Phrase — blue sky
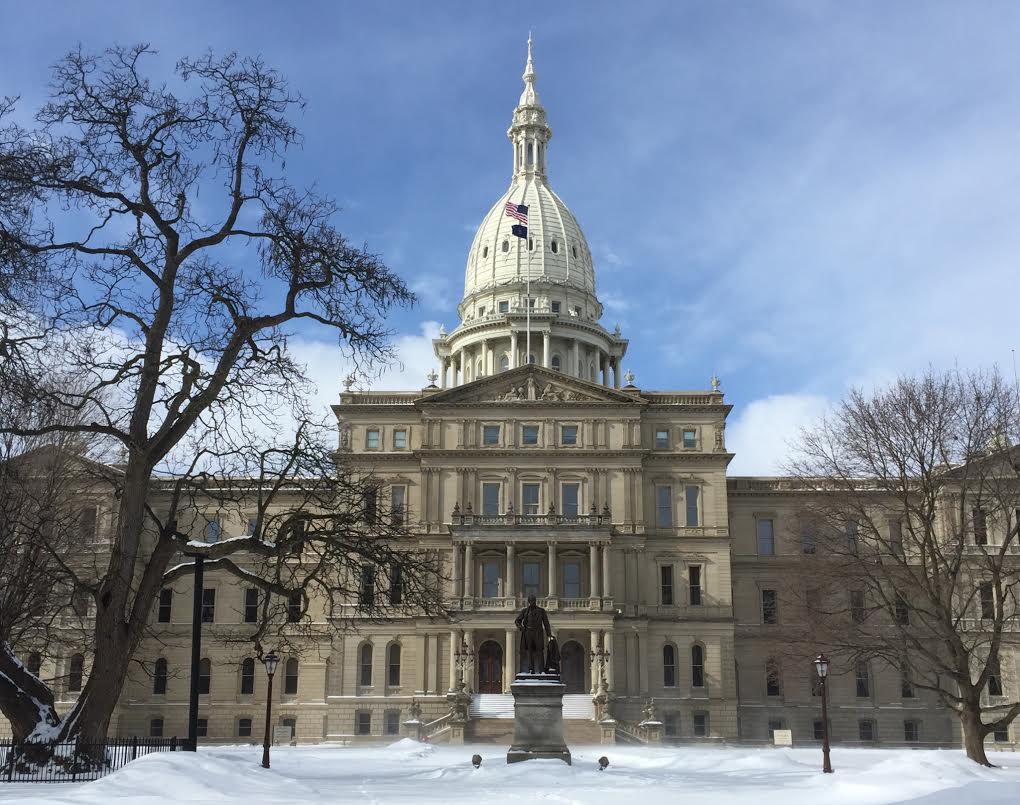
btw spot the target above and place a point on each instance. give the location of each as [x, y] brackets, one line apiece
[800, 196]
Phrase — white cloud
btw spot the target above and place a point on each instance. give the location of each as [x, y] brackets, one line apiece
[763, 430]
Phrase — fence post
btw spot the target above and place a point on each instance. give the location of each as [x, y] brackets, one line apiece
[10, 761]
[74, 761]
[173, 744]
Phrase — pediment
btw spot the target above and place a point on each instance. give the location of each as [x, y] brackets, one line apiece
[530, 384]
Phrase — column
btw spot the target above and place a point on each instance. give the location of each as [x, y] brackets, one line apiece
[469, 587]
[444, 367]
[593, 568]
[605, 572]
[469, 668]
[545, 349]
[607, 644]
[616, 373]
[642, 646]
[511, 572]
[463, 374]
[454, 643]
[604, 361]
[594, 644]
[485, 358]
[513, 349]
[510, 659]
[575, 369]
[421, 646]
[456, 595]
[552, 570]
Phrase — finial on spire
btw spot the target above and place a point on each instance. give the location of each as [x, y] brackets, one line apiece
[530, 96]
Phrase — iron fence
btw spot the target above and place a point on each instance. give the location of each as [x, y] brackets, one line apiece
[74, 761]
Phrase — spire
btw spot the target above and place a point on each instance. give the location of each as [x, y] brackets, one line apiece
[529, 131]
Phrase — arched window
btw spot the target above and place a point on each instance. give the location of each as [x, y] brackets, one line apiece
[554, 246]
[290, 677]
[393, 666]
[365, 658]
[75, 673]
[485, 251]
[556, 363]
[504, 363]
[248, 675]
[159, 677]
[698, 665]
[668, 666]
[34, 663]
[531, 359]
[591, 371]
[506, 246]
[478, 368]
[204, 675]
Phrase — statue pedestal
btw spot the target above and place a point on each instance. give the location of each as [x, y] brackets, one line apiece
[538, 718]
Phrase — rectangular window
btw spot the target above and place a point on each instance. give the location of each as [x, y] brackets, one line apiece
[694, 584]
[572, 579]
[398, 500]
[481, 311]
[366, 592]
[902, 611]
[857, 606]
[529, 498]
[866, 730]
[571, 494]
[202, 727]
[396, 585]
[896, 538]
[766, 533]
[212, 530]
[670, 724]
[294, 606]
[371, 505]
[690, 438]
[568, 434]
[244, 728]
[166, 602]
[88, 519]
[490, 499]
[155, 728]
[490, 434]
[863, 679]
[980, 527]
[769, 607]
[490, 579]
[392, 724]
[819, 729]
[701, 725]
[775, 724]
[691, 495]
[400, 439]
[1001, 735]
[504, 306]
[531, 572]
[773, 686]
[663, 506]
[808, 538]
[666, 585]
[906, 684]
[555, 307]
[852, 536]
[529, 434]
[661, 439]
[208, 605]
[250, 525]
[372, 439]
[251, 605]
[364, 723]
[987, 593]
[994, 679]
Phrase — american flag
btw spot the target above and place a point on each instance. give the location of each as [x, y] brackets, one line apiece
[518, 212]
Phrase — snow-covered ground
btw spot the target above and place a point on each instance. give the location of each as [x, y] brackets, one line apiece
[408, 772]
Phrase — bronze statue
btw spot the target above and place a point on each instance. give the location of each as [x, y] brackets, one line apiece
[533, 624]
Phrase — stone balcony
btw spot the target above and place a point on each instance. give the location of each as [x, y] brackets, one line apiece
[509, 526]
[518, 602]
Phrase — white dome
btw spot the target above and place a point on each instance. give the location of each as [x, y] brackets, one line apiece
[558, 253]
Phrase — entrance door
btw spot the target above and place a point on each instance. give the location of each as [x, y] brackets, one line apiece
[572, 666]
[490, 668]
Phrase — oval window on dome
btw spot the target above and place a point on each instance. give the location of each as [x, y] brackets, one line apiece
[506, 245]
[531, 244]
[555, 247]
[485, 251]
[574, 248]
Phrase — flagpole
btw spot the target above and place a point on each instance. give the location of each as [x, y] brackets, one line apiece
[527, 301]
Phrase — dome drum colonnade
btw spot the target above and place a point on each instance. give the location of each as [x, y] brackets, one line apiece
[550, 272]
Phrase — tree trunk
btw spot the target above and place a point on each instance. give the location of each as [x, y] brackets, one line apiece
[974, 733]
[25, 701]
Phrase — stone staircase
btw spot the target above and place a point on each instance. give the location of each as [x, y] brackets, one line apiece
[492, 719]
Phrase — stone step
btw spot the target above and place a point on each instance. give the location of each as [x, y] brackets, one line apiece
[501, 731]
[499, 705]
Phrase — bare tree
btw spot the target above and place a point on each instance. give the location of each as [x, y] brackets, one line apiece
[155, 253]
[911, 509]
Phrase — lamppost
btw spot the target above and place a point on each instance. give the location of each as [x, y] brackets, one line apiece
[463, 657]
[271, 661]
[822, 667]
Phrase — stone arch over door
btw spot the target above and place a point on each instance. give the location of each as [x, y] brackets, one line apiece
[490, 667]
[572, 666]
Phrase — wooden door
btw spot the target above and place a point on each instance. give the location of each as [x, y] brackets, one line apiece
[572, 667]
[490, 668]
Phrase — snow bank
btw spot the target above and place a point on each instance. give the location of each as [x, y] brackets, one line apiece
[407, 772]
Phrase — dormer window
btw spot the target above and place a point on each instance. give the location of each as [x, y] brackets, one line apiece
[555, 247]
[506, 246]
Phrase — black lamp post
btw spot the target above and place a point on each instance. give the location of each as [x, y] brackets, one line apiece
[822, 667]
[271, 661]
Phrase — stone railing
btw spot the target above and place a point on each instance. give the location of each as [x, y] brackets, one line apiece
[469, 518]
[683, 397]
[379, 397]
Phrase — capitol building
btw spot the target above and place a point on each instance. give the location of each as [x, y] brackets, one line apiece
[533, 464]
